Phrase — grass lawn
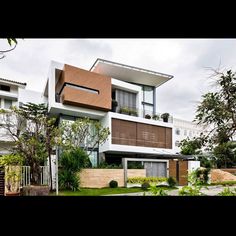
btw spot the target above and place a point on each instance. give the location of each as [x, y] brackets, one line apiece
[103, 191]
[99, 192]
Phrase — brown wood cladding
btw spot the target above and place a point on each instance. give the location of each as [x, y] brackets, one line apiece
[139, 134]
[172, 168]
[183, 172]
[87, 79]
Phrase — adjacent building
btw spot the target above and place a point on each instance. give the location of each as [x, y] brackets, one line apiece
[184, 129]
[13, 93]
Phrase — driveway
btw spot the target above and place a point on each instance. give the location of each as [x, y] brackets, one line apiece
[209, 191]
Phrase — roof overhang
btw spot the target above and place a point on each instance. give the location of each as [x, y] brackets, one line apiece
[130, 74]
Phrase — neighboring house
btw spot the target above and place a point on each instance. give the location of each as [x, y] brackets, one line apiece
[137, 130]
[9, 94]
[185, 129]
[13, 93]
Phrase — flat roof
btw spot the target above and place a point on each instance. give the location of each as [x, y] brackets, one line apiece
[130, 74]
[12, 81]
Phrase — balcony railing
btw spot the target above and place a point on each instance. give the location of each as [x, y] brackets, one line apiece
[144, 114]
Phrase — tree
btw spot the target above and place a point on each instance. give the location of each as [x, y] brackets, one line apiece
[83, 133]
[10, 42]
[218, 110]
[33, 135]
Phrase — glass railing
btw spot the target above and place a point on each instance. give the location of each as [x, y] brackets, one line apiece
[131, 111]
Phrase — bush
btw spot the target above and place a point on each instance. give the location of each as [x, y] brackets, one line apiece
[147, 116]
[113, 184]
[150, 179]
[70, 163]
[227, 192]
[145, 186]
[202, 174]
[171, 181]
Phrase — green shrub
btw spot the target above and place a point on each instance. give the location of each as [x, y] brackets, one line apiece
[157, 191]
[202, 174]
[135, 165]
[227, 192]
[190, 191]
[225, 183]
[70, 163]
[145, 186]
[150, 179]
[105, 165]
[113, 184]
[171, 181]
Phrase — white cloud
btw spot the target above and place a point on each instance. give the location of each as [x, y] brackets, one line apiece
[185, 59]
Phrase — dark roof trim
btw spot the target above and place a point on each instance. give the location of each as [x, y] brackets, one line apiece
[132, 67]
[12, 81]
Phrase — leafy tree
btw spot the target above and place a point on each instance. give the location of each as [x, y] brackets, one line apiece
[32, 133]
[193, 146]
[84, 133]
[217, 110]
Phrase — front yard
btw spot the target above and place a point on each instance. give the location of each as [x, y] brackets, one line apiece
[99, 192]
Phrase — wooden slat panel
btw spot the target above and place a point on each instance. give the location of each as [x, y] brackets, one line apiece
[139, 134]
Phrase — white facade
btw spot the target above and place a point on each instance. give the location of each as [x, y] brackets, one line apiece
[13, 93]
[185, 129]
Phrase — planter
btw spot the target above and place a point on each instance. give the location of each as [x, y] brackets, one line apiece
[165, 119]
[13, 194]
[36, 190]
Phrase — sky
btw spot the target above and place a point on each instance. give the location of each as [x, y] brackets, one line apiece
[188, 60]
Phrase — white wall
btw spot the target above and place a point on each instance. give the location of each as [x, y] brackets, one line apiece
[193, 165]
[26, 95]
[106, 121]
[192, 130]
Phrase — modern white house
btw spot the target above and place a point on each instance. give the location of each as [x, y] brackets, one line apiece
[123, 98]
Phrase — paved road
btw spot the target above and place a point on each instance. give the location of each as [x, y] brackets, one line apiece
[209, 191]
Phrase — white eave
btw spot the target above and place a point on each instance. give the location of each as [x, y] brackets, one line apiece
[130, 74]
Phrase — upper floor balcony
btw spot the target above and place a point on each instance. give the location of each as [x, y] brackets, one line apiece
[147, 114]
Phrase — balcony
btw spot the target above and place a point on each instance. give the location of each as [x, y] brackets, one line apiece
[132, 111]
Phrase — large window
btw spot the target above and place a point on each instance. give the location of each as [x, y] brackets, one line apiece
[125, 99]
[5, 88]
[148, 100]
[148, 94]
[7, 103]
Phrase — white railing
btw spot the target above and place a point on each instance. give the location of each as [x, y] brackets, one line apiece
[25, 176]
[44, 175]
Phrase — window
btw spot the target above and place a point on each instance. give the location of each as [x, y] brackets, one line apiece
[177, 131]
[125, 99]
[148, 94]
[177, 143]
[5, 88]
[7, 103]
[93, 157]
